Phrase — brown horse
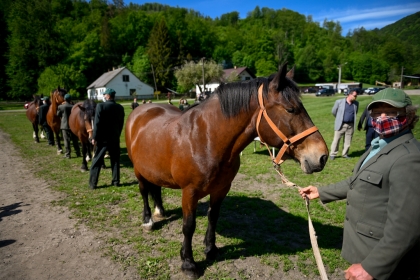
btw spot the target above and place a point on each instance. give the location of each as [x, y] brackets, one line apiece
[81, 124]
[32, 115]
[199, 149]
[54, 121]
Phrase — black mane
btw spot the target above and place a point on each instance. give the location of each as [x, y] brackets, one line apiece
[236, 97]
[89, 112]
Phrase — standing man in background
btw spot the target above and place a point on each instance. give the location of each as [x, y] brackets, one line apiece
[344, 111]
[63, 111]
[107, 128]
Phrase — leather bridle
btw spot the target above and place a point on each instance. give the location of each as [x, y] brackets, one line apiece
[287, 142]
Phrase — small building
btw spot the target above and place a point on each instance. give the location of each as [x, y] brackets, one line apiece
[124, 82]
[243, 73]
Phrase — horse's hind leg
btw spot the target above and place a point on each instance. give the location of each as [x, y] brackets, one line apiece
[213, 212]
[144, 187]
[189, 208]
[156, 193]
[57, 138]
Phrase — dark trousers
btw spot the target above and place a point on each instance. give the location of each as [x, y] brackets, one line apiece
[68, 137]
[370, 135]
[98, 161]
[49, 133]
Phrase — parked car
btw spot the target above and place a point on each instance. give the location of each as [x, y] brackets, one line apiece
[375, 90]
[310, 90]
[325, 92]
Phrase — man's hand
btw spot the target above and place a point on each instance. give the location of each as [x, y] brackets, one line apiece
[311, 192]
[357, 272]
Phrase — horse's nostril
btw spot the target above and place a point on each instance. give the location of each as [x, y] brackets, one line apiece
[323, 160]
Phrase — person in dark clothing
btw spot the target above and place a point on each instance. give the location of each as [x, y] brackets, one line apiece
[365, 122]
[63, 111]
[43, 111]
[134, 105]
[107, 128]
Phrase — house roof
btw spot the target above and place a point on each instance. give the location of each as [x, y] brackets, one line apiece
[238, 70]
[103, 80]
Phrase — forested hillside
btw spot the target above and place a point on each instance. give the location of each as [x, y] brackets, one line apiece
[45, 43]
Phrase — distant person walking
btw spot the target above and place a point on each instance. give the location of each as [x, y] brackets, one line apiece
[63, 111]
[344, 111]
[107, 128]
[134, 105]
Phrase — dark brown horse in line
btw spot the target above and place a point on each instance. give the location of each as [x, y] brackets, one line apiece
[32, 115]
[54, 121]
[199, 149]
[81, 124]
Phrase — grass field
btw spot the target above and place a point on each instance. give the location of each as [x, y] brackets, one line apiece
[267, 224]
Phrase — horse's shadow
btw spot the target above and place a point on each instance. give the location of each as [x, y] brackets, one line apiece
[262, 228]
[10, 210]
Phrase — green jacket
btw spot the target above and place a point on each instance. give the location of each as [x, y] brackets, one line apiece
[109, 122]
[382, 224]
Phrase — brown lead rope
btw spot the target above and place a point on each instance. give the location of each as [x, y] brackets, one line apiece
[312, 233]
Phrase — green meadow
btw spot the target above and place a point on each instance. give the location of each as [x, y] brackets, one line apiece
[262, 221]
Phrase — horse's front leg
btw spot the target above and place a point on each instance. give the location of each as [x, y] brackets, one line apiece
[35, 127]
[213, 213]
[189, 208]
[84, 168]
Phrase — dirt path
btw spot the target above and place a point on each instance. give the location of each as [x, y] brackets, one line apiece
[38, 241]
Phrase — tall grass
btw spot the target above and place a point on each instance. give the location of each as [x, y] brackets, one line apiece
[262, 221]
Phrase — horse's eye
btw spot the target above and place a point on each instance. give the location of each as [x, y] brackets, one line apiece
[290, 110]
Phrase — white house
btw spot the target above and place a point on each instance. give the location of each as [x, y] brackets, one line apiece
[123, 81]
[242, 72]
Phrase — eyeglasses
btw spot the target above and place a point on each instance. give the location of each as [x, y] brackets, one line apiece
[391, 114]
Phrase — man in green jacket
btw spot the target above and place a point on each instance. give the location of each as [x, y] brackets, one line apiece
[107, 128]
[64, 111]
[382, 224]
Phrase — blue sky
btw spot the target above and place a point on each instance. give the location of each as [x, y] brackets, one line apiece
[351, 14]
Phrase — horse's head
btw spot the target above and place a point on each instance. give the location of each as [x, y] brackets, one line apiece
[283, 122]
[87, 113]
[58, 95]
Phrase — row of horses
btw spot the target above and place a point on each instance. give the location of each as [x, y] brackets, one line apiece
[199, 148]
[80, 121]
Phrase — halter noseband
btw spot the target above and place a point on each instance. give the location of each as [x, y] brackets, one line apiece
[286, 141]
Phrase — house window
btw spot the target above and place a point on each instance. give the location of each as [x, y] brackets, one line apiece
[247, 78]
[126, 78]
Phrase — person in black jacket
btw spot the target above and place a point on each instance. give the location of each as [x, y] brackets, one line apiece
[365, 122]
[63, 111]
[107, 128]
[134, 105]
[43, 111]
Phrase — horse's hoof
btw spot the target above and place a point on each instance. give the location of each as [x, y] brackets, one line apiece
[158, 217]
[148, 227]
[83, 169]
[190, 270]
[59, 152]
[211, 254]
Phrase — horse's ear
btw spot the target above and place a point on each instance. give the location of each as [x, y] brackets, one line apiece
[291, 73]
[280, 77]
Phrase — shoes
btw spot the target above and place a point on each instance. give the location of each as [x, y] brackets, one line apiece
[346, 156]
[115, 184]
[92, 187]
[332, 157]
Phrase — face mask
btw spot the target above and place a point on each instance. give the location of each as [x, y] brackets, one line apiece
[387, 127]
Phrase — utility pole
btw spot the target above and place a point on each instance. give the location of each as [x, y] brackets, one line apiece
[401, 82]
[204, 83]
[339, 77]
[154, 79]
